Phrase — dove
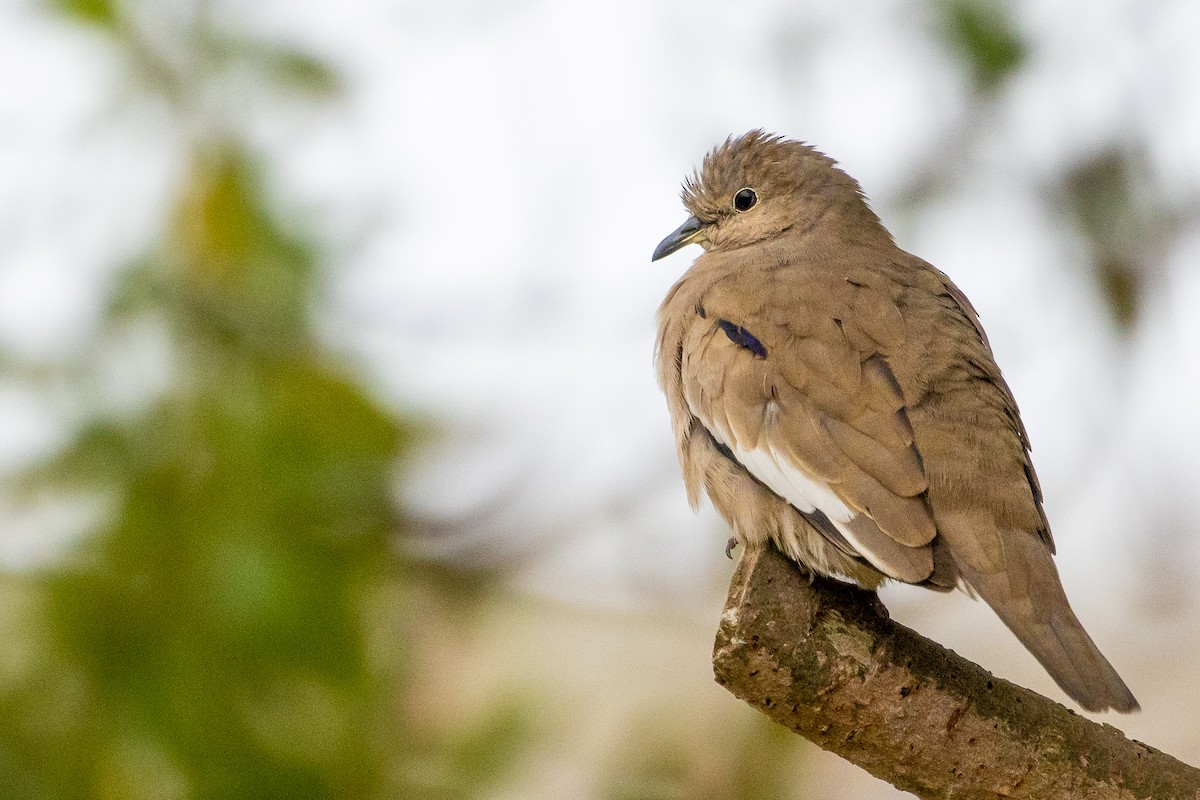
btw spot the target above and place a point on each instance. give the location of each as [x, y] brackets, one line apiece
[837, 397]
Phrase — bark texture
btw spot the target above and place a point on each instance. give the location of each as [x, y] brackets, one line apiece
[824, 659]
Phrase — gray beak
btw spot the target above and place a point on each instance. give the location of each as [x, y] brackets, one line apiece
[684, 235]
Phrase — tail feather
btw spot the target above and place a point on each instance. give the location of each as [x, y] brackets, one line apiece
[1028, 597]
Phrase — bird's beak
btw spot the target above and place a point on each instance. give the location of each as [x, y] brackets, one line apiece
[685, 234]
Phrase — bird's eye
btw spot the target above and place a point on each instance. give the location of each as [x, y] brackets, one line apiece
[745, 199]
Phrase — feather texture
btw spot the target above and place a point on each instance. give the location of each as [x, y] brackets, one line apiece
[837, 396]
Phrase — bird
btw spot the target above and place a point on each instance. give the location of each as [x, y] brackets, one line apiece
[836, 396]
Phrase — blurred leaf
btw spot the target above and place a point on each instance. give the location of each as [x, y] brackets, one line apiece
[1098, 189]
[238, 272]
[1125, 234]
[467, 761]
[983, 34]
[101, 13]
[282, 67]
[294, 70]
[658, 763]
[485, 751]
[301, 71]
[1120, 284]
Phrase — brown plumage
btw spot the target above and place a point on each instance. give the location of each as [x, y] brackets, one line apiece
[837, 395]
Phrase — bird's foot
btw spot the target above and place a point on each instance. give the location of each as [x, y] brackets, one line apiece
[729, 545]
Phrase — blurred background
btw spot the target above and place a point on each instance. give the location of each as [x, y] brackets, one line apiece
[331, 459]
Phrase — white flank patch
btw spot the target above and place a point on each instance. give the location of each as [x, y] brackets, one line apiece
[806, 493]
[793, 484]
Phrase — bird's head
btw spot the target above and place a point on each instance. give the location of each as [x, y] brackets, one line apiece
[759, 186]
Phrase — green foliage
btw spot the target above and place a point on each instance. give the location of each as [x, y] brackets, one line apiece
[231, 280]
[213, 633]
[1121, 285]
[983, 35]
[100, 13]
[666, 765]
[1126, 227]
[285, 67]
[1100, 198]
[211, 627]
[468, 760]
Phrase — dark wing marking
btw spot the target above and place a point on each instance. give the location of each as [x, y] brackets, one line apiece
[742, 338]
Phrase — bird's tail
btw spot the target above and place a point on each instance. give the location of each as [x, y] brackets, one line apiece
[1028, 596]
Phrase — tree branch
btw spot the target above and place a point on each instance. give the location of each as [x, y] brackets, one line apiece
[823, 659]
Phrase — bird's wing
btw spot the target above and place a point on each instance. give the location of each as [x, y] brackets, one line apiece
[986, 369]
[803, 398]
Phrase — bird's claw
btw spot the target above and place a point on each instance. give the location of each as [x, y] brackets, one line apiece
[729, 545]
